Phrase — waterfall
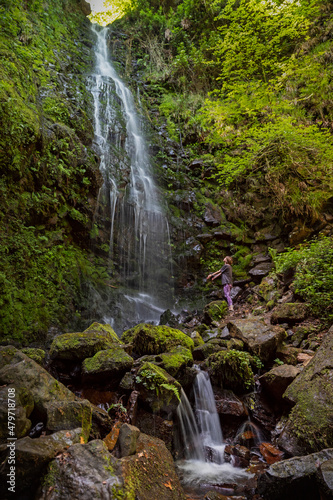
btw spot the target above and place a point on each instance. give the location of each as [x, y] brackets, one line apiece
[129, 208]
[202, 441]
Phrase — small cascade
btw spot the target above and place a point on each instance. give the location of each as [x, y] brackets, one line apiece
[129, 207]
[208, 419]
[202, 442]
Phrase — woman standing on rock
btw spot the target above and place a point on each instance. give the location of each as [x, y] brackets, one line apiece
[226, 273]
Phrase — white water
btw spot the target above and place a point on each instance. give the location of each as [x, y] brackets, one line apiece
[139, 248]
[202, 438]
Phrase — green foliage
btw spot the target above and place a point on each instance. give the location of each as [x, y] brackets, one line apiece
[232, 369]
[313, 280]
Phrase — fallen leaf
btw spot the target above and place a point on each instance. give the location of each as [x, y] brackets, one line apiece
[168, 485]
[81, 440]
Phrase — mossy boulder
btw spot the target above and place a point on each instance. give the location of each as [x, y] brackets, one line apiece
[159, 391]
[291, 313]
[215, 311]
[78, 346]
[231, 369]
[37, 355]
[107, 367]
[24, 405]
[150, 339]
[176, 360]
[20, 371]
[63, 415]
[309, 427]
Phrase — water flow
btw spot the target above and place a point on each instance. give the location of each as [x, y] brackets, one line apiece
[202, 440]
[138, 229]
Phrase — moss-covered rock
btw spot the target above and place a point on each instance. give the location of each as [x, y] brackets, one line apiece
[309, 427]
[290, 313]
[37, 355]
[78, 346]
[150, 339]
[158, 389]
[62, 415]
[107, 366]
[231, 370]
[21, 402]
[215, 311]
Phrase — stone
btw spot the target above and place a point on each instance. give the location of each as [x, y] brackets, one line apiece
[107, 366]
[290, 313]
[32, 457]
[78, 346]
[215, 311]
[150, 474]
[276, 381]
[37, 355]
[85, 471]
[309, 426]
[24, 405]
[325, 478]
[212, 216]
[112, 438]
[288, 354]
[150, 339]
[270, 453]
[259, 338]
[128, 437]
[63, 415]
[227, 403]
[176, 360]
[260, 271]
[293, 478]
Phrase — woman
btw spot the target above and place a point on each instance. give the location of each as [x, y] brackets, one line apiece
[226, 273]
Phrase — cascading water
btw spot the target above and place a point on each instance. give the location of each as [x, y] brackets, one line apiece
[129, 208]
[202, 441]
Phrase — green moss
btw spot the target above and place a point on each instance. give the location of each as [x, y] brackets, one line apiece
[106, 360]
[149, 339]
[78, 346]
[176, 359]
[231, 369]
[37, 355]
[157, 380]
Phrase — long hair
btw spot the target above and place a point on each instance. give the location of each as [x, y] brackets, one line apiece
[228, 260]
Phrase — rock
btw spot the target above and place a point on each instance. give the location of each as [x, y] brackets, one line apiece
[169, 319]
[37, 355]
[276, 381]
[260, 271]
[270, 453]
[128, 437]
[22, 372]
[304, 358]
[63, 415]
[85, 471]
[85, 7]
[309, 426]
[212, 216]
[290, 313]
[23, 405]
[325, 478]
[227, 403]
[176, 360]
[259, 338]
[204, 351]
[158, 390]
[32, 457]
[156, 426]
[112, 438]
[215, 311]
[293, 478]
[150, 339]
[231, 370]
[107, 367]
[288, 354]
[300, 334]
[151, 474]
[78, 346]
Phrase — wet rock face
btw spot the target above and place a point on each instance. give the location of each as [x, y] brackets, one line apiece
[296, 477]
[310, 426]
[276, 381]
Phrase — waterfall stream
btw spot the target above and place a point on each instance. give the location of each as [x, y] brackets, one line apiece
[129, 207]
[202, 440]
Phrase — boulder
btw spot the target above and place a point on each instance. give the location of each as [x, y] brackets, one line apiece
[22, 372]
[228, 404]
[23, 403]
[78, 346]
[108, 366]
[276, 381]
[151, 474]
[260, 271]
[259, 338]
[231, 370]
[150, 339]
[63, 415]
[294, 478]
[158, 390]
[325, 478]
[128, 436]
[309, 427]
[37, 355]
[32, 457]
[290, 313]
[176, 360]
[85, 471]
[215, 311]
